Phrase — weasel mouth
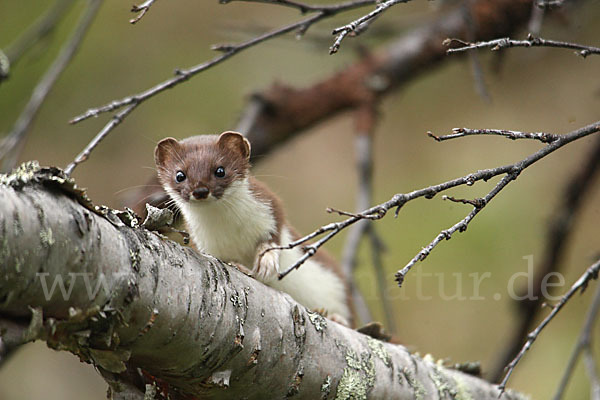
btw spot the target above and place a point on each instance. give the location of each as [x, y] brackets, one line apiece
[200, 193]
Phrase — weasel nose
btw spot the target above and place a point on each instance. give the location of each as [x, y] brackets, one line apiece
[200, 193]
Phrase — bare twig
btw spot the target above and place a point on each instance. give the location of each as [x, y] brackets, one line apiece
[561, 226]
[345, 30]
[584, 342]
[348, 263]
[475, 203]
[363, 142]
[514, 135]
[10, 145]
[182, 75]
[546, 4]
[460, 226]
[510, 171]
[142, 9]
[365, 119]
[592, 371]
[228, 50]
[377, 248]
[531, 41]
[85, 153]
[356, 215]
[37, 31]
[579, 285]
[475, 62]
[307, 8]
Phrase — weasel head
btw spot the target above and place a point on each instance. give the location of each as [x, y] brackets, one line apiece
[201, 168]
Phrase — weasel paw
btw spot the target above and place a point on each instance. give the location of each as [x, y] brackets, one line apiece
[266, 266]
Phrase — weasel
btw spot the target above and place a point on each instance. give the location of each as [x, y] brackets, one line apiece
[234, 217]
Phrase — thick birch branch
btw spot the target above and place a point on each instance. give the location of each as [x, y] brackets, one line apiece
[133, 300]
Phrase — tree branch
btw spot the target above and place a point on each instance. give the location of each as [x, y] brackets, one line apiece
[182, 75]
[125, 299]
[584, 343]
[12, 143]
[37, 31]
[559, 230]
[531, 41]
[359, 23]
[365, 122]
[141, 9]
[513, 135]
[580, 285]
[510, 173]
[307, 8]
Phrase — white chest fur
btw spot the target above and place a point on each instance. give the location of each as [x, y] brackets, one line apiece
[231, 227]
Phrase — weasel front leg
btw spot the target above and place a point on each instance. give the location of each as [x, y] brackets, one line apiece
[266, 265]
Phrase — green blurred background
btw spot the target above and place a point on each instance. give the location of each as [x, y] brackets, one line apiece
[536, 90]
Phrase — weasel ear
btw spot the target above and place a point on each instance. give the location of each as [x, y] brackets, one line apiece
[166, 149]
[235, 142]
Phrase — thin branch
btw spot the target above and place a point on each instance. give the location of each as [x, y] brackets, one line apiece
[559, 230]
[377, 248]
[475, 62]
[592, 371]
[85, 153]
[15, 139]
[348, 263]
[513, 135]
[142, 9]
[579, 285]
[365, 120]
[363, 146]
[548, 4]
[531, 41]
[583, 342]
[475, 203]
[510, 171]
[182, 75]
[460, 226]
[352, 27]
[350, 214]
[37, 31]
[228, 50]
[307, 8]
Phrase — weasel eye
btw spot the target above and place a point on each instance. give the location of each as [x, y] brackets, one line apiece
[180, 176]
[220, 172]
